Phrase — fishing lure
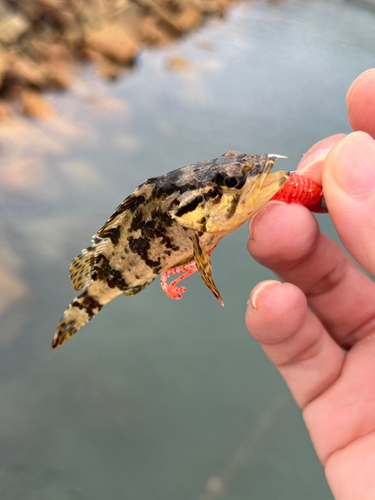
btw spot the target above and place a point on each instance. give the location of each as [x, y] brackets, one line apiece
[170, 225]
[301, 190]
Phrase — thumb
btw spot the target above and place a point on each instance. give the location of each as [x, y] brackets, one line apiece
[349, 189]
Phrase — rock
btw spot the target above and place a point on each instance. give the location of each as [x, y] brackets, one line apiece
[40, 41]
[113, 42]
[4, 63]
[152, 34]
[23, 71]
[107, 69]
[189, 19]
[5, 111]
[178, 64]
[59, 75]
[34, 105]
[166, 18]
[12, 25]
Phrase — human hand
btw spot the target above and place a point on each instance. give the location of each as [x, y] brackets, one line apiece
[335, 389]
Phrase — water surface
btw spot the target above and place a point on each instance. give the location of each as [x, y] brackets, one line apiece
[154, 397]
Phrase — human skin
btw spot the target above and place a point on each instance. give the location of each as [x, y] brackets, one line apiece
[327, 354]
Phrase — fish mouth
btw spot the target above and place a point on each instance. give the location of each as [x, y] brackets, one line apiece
[267, 184]
[268, 181]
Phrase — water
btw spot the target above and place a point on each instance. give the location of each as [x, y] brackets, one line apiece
[153, 398]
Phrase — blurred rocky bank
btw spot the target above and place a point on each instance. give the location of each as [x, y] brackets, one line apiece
[41, 41]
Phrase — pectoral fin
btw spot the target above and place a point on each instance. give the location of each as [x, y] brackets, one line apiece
[203, 262]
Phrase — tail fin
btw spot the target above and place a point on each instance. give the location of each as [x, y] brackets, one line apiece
[80, 311]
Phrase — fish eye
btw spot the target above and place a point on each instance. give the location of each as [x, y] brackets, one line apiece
[231, 182]
[232, 179]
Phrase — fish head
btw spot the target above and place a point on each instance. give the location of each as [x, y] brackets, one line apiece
[229, 190]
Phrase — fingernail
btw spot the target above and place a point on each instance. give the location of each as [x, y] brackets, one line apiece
[312, 161]
[258, 214]
[254, 294]
[357, 82]
[354, 164]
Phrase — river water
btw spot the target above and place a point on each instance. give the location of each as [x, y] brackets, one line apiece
[158, 399]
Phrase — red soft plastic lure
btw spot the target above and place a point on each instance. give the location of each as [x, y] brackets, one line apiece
[298, 189]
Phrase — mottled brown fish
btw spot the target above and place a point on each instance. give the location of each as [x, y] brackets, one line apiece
[168, 221]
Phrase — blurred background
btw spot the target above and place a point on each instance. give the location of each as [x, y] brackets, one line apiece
[154, 399]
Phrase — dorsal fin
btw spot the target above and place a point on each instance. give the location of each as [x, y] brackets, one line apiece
[131, 203]
[82, 266]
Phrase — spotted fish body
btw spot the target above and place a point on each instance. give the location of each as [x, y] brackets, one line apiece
[168, 221]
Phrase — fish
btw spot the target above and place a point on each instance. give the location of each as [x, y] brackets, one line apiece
[169, 222]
